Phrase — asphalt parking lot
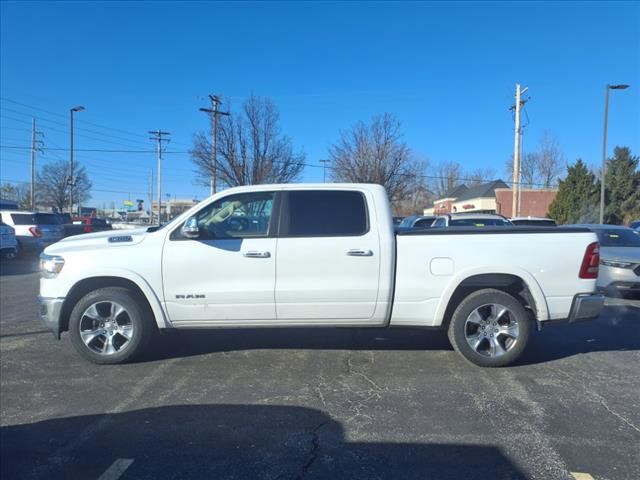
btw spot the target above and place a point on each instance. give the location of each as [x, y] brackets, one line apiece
[291, 404]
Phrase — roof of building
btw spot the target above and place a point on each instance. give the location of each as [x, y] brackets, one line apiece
[483, 190]
[455, 191]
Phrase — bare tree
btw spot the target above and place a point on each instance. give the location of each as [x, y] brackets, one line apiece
[549, 160]
[479, 175]
[53, 188]
[542, 166]
[251, 148]
[18, 192]
[444, 177]
[375, 153]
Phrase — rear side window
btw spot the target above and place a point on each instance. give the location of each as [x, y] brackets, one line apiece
[23, 219]
[46, 219]
[326, 213]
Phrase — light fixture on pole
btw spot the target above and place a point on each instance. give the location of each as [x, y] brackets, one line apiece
[603, 169]
[72, 181]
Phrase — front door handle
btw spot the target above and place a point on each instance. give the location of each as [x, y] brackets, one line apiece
[254, 254]
[359, 252]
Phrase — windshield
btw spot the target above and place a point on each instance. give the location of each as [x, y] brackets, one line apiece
[618, 238]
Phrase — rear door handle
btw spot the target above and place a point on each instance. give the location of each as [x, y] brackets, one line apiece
[359, 252]
[254, 254]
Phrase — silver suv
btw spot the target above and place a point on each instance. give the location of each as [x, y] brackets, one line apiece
[34, 231]
[619, 274]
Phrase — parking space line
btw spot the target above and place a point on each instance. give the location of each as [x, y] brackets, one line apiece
[581, 476]
[116, 469]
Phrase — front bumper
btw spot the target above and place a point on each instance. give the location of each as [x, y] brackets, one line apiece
[50, 309]
[586, 306]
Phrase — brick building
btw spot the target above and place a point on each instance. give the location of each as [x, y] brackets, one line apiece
[533, 202]
[492, 197]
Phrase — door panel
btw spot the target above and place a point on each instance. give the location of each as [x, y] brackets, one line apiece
[223, 282]
[317, 279]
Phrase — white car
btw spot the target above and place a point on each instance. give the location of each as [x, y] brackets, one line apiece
[34, 230]
[475, 220]
[315, 255]
[8, 243]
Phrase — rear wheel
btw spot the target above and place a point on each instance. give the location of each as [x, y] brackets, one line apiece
[490, 328]
[110, 325]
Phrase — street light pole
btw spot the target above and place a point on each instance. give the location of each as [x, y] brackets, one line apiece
[72, 181]
[603, 170]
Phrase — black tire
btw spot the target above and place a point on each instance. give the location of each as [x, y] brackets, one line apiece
[136, 314]
[480, 299]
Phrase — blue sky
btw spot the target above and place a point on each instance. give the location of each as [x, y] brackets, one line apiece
[447, 70]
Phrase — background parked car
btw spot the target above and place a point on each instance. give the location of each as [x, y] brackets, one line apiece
[92, 224]
[417, 221]
[619, 274]
[534, 222]
[471, 220]
[8, 242]
[34, 231]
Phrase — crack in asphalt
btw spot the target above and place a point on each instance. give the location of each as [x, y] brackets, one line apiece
[315, 447]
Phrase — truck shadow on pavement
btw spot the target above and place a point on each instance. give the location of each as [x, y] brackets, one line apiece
[617, 329]
[20, 266]
[230, 441]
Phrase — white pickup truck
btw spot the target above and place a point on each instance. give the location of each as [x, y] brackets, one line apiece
[315, 255]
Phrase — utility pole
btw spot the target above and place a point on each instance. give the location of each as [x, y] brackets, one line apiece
[516, 149]
[72, 180]
[157, 136]
[214, 112]
[35, 146]
[151, 196]
[324, 169]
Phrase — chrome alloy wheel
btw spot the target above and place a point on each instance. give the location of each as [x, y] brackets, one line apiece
[106, 328]
[491, 330]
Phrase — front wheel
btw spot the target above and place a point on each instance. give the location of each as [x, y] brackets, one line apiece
[110, 325]
[490, 328]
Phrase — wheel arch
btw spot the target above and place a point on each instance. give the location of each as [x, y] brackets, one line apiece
[91, 283]
[519, 284]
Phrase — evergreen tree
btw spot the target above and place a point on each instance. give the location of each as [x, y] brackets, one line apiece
[622, 183]
[577, 198]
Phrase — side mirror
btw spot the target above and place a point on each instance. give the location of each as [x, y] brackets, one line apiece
[190, 228]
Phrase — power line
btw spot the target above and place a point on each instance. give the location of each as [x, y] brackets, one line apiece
[57, 114]
[64, 116]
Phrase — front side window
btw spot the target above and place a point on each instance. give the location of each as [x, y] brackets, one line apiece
[244, 215]
[326, 213]
[424, 223]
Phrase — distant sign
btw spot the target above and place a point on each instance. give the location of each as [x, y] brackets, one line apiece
[128, 203]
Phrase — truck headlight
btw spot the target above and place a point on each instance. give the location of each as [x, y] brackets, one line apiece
[616, 263]
[50, 265]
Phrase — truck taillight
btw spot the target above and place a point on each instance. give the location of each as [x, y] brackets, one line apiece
[590, 261]
[35, 231]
